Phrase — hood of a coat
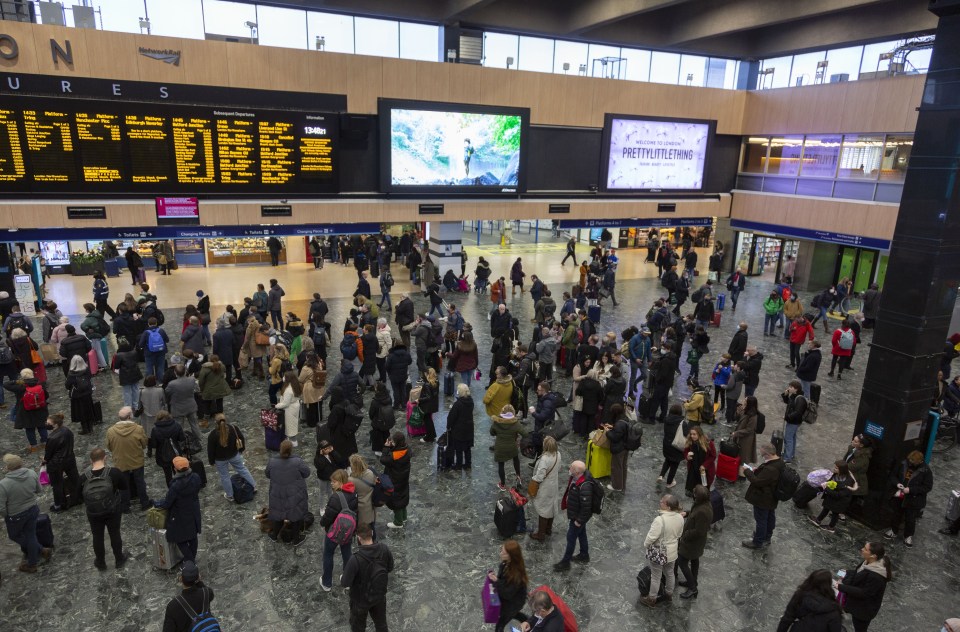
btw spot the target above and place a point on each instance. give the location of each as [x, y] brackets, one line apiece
[125, 428]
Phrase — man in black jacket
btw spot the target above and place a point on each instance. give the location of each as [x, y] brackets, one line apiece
[735, 284]
[752, 363]
[366, 575]
[195, 598]
[809, 366]
[545, 617]
[73, 345]
[404, 315]
[274, 246]
[102, 488]
[738, 345]
[363, 286]
[500, 321]
[578, 502]
[762, 495]
[662, 372]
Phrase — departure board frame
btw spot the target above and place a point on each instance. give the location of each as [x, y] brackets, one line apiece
[60, 147]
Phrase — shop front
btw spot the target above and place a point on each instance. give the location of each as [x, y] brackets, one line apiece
[637, 232]
[766, 256]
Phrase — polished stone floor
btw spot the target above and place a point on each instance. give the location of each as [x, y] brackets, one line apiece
[450, 541]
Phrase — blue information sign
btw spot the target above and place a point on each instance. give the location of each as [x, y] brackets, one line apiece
[187, 232]
[814, 235]
[873, 430]
[636, 222]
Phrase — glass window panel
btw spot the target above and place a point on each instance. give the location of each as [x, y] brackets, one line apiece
[335, 31]
[750, 183]
[780, 185]
[785, 154]
[638, 64]
[115, 15]
[282, 27]
[819, 188]
[497, 48]
[228, 18]
[176, 18]
[918, 61]
[420, 41]
[779, 73]
[693, 70]
[754, 155]
[804, 72]
[854, 190]
[664, 67]
[603, 62]
[820, 155]
[730, 75]
[572, 53]
[872, 63]
[889, 192]
[896, 157]
[844, 61]
[380, 38]
[860, 157]
[536, 54]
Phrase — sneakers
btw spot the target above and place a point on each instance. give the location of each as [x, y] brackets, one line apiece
[394, 526]
[829, 529]
[230, 498]
[501, 487]
[612, 488]
[659, 479]
[650, 602]
[813, 520]
[750, 544]
[889, 535]
[669, 485]
[908, 542]
[378, 454]
[325, 588]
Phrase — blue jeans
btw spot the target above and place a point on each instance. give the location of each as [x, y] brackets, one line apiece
[575, 533]
[790, 441]
[134, 479]
[131, 395]
[766, 520]
[385, 298]
[22, 529]
[223, 468]
[703, 323]
[806, 388]
[769, 323]
[750, 390]
[156, 363]
[329, 548]
[466, 377]
[734, 296]
[438, 308]
[32, 436]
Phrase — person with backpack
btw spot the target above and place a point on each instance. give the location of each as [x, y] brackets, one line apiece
[746, 431]
[190, 610]
[843, 342]
[97, 330]
[153, 342]
[30, 413]
[102, 487]
[617, 430]
[182, 502]
[126, 443]
[166, 442]
[366, 575]
[792, 417]
[16, 319]
[396, 459]
[582, 499]
[762, 494]
[339, 520]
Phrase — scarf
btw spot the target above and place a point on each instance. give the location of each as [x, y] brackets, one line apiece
[876, 567]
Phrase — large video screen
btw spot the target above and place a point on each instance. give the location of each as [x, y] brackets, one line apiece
[654, 154]
[438, 147]
[90, 147]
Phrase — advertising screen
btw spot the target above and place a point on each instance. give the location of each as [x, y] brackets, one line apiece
[178, 211]
[55, 253]
[80, 146]
[650, 154]
[436, 147]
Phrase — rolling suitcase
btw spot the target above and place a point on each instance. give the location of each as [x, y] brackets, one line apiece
[141, 275]
[506, 516]
[44, 531]
[593, 313]
[728, 467]
[715, 321]
[729, 448]
[953, 506]
[448, 384]
[166, 555]
[598, 460]
[721, 301]
[814, 392]
[92, 359]
[272, 438]
[444, 452]
[777, 440]
[719, 512]
[643, 583]
[804, 495]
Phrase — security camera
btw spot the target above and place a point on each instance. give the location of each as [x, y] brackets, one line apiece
[283, 201]
[250, 25]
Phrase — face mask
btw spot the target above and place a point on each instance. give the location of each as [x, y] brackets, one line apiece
[49, 427]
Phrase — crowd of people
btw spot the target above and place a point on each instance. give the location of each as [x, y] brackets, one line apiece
[174, 391]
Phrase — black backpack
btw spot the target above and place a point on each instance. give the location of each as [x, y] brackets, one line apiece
[761, 423]
[102, 327]
[99, 495]
[373, 587]
[168, 450]
[787, 484]
[596, 498]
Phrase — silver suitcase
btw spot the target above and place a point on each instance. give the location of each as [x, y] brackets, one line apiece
[166, 555]
[953, 506]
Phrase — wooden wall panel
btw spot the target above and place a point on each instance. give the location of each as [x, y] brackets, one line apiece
[399, 79]
[109, 54]
[327, 72]
[78, 43]
[364, 83]
[464, 83]
[868, 219]
[433, 80]
[250, 67]
[26, 62]
[205, 63]
[220, 214]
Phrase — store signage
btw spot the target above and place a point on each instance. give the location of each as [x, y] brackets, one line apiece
[189, 232]
[873, 430]
[814, 235]
[636, 222]
[166, 55]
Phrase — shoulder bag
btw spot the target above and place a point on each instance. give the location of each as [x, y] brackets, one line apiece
[533, 487]
[657, 553]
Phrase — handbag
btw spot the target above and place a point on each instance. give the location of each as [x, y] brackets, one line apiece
[679, 439]
[491, 602]
[533, 487]
[44, 476]
[261, 339]
[239, 440]
[35, 356]
[656, 553]
[244, 359]
[599, 438]
[157, 518]
[578, 403]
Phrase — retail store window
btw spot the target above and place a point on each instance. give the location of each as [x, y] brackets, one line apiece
[785, 153]
[286, 28]
[380, 38]
[860, 156]
[755, 154]
[334, 31]
[176, 18]
[500, 49]
[420, 41]
[573, 54]
[535, 54]
[229, 18]
[896, 157]
[820, 156]
[638, 64]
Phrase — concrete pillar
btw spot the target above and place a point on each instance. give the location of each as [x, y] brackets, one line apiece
[726, 235]
[445, 246]
[296, 249]
[801, 274]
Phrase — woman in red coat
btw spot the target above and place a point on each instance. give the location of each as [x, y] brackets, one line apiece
[843, 342]
[700, 453]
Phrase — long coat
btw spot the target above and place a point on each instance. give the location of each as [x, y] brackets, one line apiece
[396, 464]
[505, 444]
[693, 539]
[288, 488]
[498, 395]
[183, 507]
[859, 463]
[364, 485]
[547, 473]
[746, 437]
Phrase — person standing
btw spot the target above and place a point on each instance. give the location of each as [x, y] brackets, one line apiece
[700, 454]
[510, 582]
[762, 495]
[914, 480]
[460, 428]
[61, 463]
[752, 363]
[342, 499]
[19, 501]
[772, 308]
[617, 432]
[864, 586]
[288, 506]
[672, 455]
[102, 488]
[134, 264]
[745, 434]
[225, 446]
[871, 306]
[316, 253]
[182, 503]
[182, 404]
[792, 417]
[663, 371]
[274, 245]
[290, 403]
[809, 366]
[275, 303]
[506, 430]
[813, 606]
[578, 503]
[843, 342]
[366, 575]
[364, 480]
[30, 413]
[546, 473]
[101, 294]
[516, 276]
[693, 539]
[396, 464]
[126, 442]
[664, 533]
[153, 343]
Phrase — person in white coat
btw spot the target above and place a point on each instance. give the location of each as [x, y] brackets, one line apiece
[289, 403]
[385, 338]
[665, 534]
[546, 473]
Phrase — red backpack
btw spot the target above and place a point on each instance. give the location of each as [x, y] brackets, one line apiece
[34, 398]
[569, 621]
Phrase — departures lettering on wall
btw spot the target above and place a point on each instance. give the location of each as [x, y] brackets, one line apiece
[77, 146]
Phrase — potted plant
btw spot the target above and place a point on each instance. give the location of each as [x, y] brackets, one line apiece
[84, 263]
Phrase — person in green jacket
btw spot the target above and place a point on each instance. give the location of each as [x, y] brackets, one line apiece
[505, 429]
[569, 343]
[772, 307]
[213, 388]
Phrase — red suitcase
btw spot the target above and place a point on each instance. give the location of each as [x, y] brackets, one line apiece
[728, 467]
[716, 319]
[92, 358]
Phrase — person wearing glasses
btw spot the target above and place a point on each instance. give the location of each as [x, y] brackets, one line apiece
[545, 618]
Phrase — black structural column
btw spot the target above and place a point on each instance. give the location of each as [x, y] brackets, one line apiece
[922, 277]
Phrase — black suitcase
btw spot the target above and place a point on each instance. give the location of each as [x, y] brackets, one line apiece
[448, 384]
[444, 452]
[777, 440]
[506, 516]
[719, 512]
[593, 313]
[643, 583]
[804, 495]
[643, 406]
[44, 531]
[729, 448]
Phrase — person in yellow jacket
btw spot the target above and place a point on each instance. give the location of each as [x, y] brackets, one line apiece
[499, 393]
[694, 406]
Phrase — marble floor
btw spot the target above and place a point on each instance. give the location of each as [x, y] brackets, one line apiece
[450, 541]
